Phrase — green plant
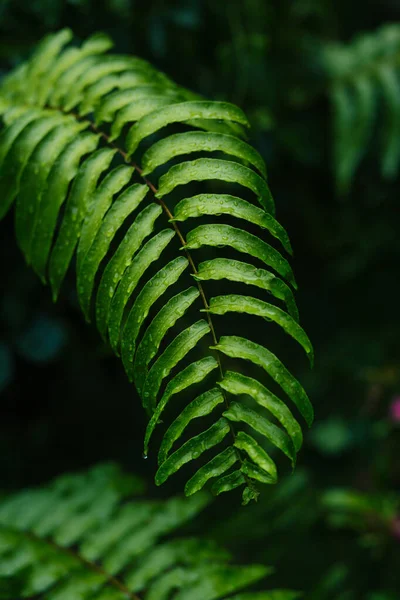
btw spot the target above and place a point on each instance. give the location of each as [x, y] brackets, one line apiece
[365, 86]
[69, 140]
[92, 535]
[373, 516]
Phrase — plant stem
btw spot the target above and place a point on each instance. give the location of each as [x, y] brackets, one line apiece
[110, 579]
[182, 240]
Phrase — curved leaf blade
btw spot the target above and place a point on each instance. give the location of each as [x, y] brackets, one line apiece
[229, 482]
[76, 208]
[205, 169]
[122, 207]
[179, 113]
[62, 173]
[240, 413]
[99, 204]
[214, 468]
[112, 103]
[140, 229]
[34, 181]
[257, 454]
[19, 149]
[242, 241]
[172, 355]
[237, 384]
[166, 318]
[192, 449]
[190, 375]
[225, 204]
[234, 270]
[220, 305]
[199, 141]
[152, 290]
[238, 347]
[136, 111]
[201, 406]
[149, 253]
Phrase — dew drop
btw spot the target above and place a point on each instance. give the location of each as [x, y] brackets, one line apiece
[144, 456]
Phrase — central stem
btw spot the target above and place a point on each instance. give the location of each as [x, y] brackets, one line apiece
[182, 240]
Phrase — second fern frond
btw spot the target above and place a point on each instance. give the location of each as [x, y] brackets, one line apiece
[93, 535]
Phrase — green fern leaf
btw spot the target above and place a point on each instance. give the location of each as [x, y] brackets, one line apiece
[234, 270]
[204, 169]
[238, 347]
[193, 141]
[93, 535]
[223, 204]
[93, 152]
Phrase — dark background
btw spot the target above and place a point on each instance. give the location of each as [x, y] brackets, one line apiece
[65, 402]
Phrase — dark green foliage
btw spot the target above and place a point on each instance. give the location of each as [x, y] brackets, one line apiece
[75, 407]
[365, 90]
[59, 164]
[94, 536]
[372, 515]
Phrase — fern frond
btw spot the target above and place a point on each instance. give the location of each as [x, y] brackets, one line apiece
[364, 84]
[77, 124]
[93, 535]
